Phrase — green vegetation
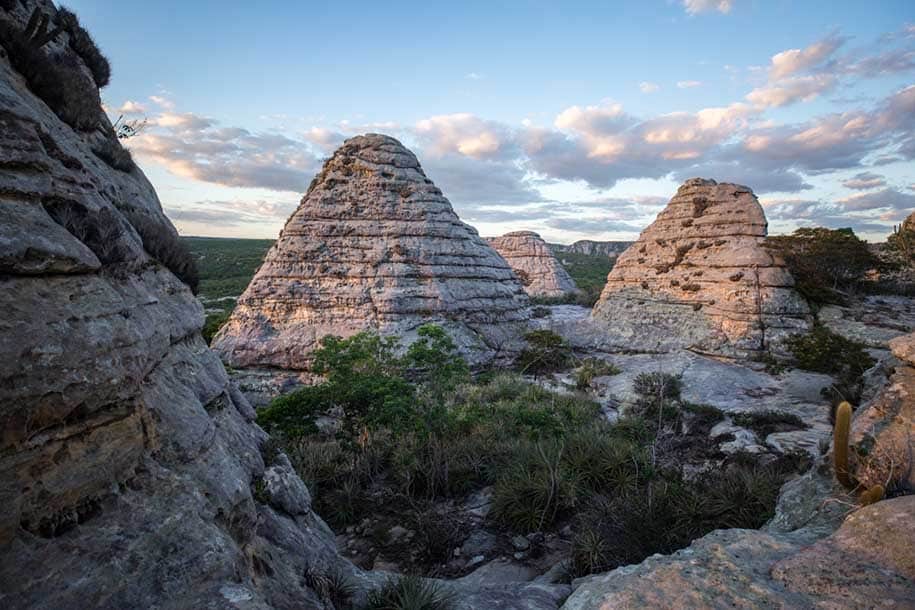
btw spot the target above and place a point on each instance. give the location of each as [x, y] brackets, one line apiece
[226, 265]
[589, 272]
[401, 430]
[410, 593]
[824, 351]
[590, 369]
[57, 78]
[768, 422]
[546, 352]
[827, 264]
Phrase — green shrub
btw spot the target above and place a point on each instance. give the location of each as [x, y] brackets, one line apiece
[825, 263]
[410, 593]
[768, 422]
[332, 586]
[546, 353]
[592, 368]
[657, 386]
[669, 513]
[824, 351]
[532, 492]
[433, 360]
[212, 324]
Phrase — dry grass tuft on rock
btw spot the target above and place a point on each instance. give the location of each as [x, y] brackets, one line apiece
[164, 245]
[58, 79]
[84, 46]
[114, 154]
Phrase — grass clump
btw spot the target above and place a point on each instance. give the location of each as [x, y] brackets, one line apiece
[410, 593]
[57, 78]
[768, 422]
[84, 46]
[590, 369]
[212, 324]
[164, 245]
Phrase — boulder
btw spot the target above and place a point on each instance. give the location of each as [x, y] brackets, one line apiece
[699, 277]
[128, 461]
[373, 245]
[533, 262]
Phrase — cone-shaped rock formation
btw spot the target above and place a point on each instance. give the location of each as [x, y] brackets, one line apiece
[700, 277]
[533, 262]
[373, 245]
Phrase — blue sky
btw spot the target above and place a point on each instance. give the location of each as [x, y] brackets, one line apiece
[573, 119]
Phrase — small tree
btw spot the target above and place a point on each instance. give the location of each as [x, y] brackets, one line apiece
[825, 263]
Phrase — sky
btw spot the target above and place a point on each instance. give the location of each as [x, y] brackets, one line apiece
[577, 120]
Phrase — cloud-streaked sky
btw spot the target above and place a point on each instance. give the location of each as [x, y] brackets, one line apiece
[577, 120]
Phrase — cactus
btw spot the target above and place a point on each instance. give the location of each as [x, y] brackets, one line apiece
[840, 445]
[874, 494]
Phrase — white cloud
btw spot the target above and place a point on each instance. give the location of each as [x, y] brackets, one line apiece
[792, 61]
[688, 84]
[646, 87]
[463, 133]
[473, 76]
[694, 7]
[790, 90]
[132, 108]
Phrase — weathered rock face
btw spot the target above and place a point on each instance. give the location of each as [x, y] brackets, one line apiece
[127, 459]
[373, 245]
[533, 262]
[814, 553]
[699, 277]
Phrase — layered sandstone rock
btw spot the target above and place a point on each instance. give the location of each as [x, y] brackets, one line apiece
[699, 277]
[373, 245]
[588, 247]
[533, 262]
[127, 459]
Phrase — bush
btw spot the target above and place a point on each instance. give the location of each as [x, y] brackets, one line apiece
[530, 495]
[410, 593]
[592, 368]
[163, 244]
[83, 45]
[546, 353]
[213, 323]
[825, 263]
[110, 150]
[57, 79]
[669, 513]
[657, 386]
[769, 422]
[824, 351]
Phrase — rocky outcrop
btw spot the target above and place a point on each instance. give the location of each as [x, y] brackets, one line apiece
[821, 550]
[373, 245]
[610, 249]
[534, 264]
[699, 277]
[128, 460]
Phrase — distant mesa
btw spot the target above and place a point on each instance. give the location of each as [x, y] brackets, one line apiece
[373, 245]
[699, 277]
[534, 263]
[610, 249]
